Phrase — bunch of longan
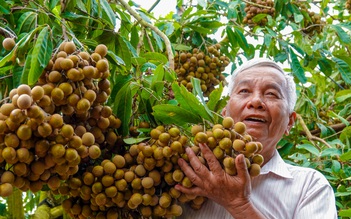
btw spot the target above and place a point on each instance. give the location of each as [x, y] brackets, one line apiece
[49, 131]
[312, 25]
[255, 7]
[206, 66]
[140, 183]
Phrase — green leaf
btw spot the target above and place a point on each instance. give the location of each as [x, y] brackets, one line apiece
[345, 135]
[231, 36]
[189, 102]
[325, 66]
[181, 47]
[345, 156]
[201, 30]
[8, 57]
[202, 3]
[330, 152]
[123, 107]
[108, 14]
[26, 22]
[298, 17]
[343, 36]
[241, 39]
[309, 147]
[159, 58]
[40, 56]
[134, 140]
[297, 68]
[197, 88]
[344, 69]
[257, 18]
[214, 98]
[26, 69]
[124, 52]
[170, 114]
[114, 58]
[345, 212]
[343, 95]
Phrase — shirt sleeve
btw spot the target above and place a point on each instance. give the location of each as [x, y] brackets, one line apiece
[318, 202]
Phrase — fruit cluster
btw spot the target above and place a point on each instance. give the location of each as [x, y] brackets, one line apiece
[314, 23]
[205, 66]
[140, 183]
[49, 132]
[255, 7]
[348, 6]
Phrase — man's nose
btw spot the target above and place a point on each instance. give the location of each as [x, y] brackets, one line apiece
[256, 102]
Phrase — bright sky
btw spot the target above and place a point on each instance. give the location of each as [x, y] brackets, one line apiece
[162, 8]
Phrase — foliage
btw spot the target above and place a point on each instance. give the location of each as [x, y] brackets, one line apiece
[315, 49]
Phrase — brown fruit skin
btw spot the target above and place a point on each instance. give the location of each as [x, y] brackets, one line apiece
[8, 43]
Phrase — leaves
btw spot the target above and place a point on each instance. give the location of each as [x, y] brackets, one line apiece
[297, 68]
[40, 56]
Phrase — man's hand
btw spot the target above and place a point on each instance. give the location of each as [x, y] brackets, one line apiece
[232, 192]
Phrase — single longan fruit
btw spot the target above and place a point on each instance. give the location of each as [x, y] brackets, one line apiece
[88, 139]
[147, 182]
[69, 47]
[101, 49]
[254, 170]
[24, 132]
[66, 64]
[37, 93]
[94, 152]
[24, 89]
[228, 122]
[239, 145]
[102, 65]
[6, 189]
[201, 137]
[240, 127]
[119, 161]
[8, 43]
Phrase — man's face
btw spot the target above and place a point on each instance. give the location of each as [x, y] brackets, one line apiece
[259, 99]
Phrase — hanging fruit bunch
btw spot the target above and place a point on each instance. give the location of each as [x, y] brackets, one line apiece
[256, 7]
[207, 66]
[140, 183]
[50, 131]
[312, 22]
[348, 6]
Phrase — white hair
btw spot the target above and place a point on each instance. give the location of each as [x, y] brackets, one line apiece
[261, 62]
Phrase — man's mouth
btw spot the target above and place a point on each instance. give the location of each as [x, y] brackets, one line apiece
[255, 119]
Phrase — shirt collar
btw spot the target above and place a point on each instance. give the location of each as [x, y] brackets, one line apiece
[277, 166]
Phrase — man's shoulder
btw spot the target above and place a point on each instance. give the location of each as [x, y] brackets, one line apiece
[307, 173]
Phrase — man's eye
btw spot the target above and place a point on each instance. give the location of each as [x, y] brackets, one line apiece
[243, 91]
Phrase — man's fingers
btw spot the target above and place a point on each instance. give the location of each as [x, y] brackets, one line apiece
[211, 159]
[189, 172]
[197, 191]
[241, 167]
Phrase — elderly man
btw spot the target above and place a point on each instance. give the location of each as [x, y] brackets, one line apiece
[262, 96]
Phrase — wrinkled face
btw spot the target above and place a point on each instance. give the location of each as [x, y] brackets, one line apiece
[259, 99]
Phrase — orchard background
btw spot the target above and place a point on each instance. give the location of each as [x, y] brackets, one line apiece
[150, 85]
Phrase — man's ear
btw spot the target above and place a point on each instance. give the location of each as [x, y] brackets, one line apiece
[292, 119]
[224, 111]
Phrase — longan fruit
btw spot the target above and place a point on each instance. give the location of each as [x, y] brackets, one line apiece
[24, 101]
[239, 145]
[94, 152]
[69, 47]
[6, 189]
[101, 49]
[24, 89]
[228, 122]
[102, 65]
[147, 182]
[24, 132]
[37, 93]
[254, 169]
[201, 137]
[88, 139]
[240, 127]
[8, 43]
[7, 108]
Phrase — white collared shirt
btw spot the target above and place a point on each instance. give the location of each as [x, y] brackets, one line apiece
[281, 191]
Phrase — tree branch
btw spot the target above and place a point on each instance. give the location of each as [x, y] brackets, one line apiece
[308, 133]
[152, 27]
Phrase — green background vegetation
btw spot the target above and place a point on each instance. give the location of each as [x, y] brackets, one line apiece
[314, 47]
